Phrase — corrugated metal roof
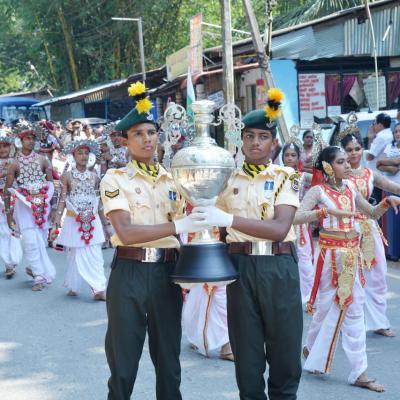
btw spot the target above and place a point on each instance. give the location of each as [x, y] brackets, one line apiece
[81, 93]
[357, 36]
[293, 45]
[329, 41]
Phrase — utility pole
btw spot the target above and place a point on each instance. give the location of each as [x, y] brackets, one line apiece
[141, 46]
[227, 55]
[375, 54]
[263, 57]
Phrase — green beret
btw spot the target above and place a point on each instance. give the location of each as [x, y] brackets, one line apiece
[133, 118]
[258, 120]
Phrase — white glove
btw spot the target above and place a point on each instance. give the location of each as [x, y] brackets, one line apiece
[194, 222]
[214, 216]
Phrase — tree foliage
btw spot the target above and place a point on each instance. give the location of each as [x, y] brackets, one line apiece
[75, 43]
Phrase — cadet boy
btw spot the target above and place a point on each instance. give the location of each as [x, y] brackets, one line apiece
[264, 305]
[140, 201]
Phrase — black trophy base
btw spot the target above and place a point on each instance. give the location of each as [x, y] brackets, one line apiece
[204, 263]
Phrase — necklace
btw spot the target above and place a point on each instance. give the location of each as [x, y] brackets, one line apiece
[82, 176]
[357, 171]
[340, 189]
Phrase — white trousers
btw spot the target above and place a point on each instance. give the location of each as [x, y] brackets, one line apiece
[376, 287]
[85, 264]
[10, 246]
[325, 326]
[34, 244]
[204, 318]
[306, 267]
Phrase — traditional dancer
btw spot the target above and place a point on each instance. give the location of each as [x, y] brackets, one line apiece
[33, 195]
[10, 244]
[372, 239]
[304, 244]
[338, 278]
[204, 320]
[82, 232]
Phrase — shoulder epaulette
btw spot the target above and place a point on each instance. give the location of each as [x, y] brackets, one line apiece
[117, 171]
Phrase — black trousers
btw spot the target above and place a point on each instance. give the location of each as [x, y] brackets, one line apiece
[140, 297]
[265, 321]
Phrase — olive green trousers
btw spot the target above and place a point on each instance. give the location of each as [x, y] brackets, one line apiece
[140, 298]
[265, 321]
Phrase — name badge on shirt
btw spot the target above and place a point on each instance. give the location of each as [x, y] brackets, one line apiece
[268, 189]
[172, 195]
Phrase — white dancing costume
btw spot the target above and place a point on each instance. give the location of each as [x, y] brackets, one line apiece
[84, 254]
[304, 246]
[204, 318]
[338, 285]
[373, 252]
[10, 246]
[31, 214]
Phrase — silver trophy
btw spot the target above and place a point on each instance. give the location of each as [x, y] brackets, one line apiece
[201, 172]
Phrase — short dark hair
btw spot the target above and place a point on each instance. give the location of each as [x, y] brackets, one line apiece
[383, 119]
[305, 133]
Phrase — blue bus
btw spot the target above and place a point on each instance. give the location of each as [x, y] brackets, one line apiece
[12, 108]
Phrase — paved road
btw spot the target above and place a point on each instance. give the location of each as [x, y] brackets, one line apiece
[51, 348]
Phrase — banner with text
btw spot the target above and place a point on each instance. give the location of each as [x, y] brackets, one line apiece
[312, 98]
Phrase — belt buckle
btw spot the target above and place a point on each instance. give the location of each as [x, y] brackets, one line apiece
[152, 254]
[263, 248]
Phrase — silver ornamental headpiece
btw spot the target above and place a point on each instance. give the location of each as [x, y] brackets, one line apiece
[294, 137]
[92, 145]
[319, 143]
[109, 129]
[351, 128]
[21, 127]
[5, 137]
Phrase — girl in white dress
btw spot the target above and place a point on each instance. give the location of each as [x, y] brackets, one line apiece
[304, 244]
[82, 232]
[10, 244]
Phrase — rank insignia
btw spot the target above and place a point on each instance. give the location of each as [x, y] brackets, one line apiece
[138, 190]
[112, 194]
[295, 181]
[172, 195]
[235, 191]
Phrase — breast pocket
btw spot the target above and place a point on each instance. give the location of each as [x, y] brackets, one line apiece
[141, 209]
[237, 206]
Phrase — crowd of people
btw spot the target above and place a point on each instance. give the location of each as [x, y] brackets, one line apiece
[77, 189]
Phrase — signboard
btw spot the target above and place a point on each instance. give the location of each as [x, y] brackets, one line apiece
[196, 44]
[178, 63]
[312, 98]
[217, 98]
[370, 92]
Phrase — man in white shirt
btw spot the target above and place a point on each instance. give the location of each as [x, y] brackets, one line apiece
[379, 136]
